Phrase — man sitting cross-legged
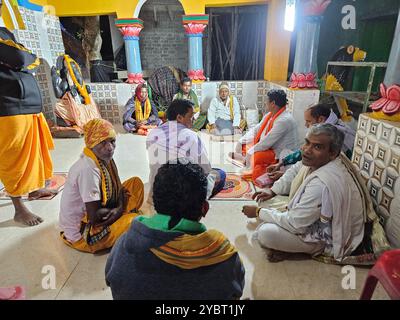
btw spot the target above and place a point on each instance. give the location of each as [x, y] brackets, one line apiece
[223, 115]
[328, 205]
[172, 255]
[141, 114]
[262, 145]
[319, 113]
[175, 139]
[95, 207]
[187, 93]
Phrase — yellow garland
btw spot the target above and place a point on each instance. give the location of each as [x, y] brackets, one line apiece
[81, 88]
[89, 153]
[332, 84]
[231, 106]
[139, 112]
[11, 43]
[106, 189]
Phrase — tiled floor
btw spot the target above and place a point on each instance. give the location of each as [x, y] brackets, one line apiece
[25, 253]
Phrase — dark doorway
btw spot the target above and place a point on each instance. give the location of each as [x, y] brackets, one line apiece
[73, 29]
[376, 39]
[235, 44]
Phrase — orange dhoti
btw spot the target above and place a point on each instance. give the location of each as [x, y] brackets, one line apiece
[259, 161]
[95, 239]
[25, 162]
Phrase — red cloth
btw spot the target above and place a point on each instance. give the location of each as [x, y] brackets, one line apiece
[260, 161]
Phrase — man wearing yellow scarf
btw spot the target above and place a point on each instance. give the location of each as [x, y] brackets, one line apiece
[141, 115]
[172, 255]
[96, 209]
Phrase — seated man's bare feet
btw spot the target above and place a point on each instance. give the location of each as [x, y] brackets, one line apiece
[237, 157]
[42, 193]
[276, 256]
[24, 216]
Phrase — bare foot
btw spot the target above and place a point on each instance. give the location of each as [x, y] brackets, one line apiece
[24, 216]
[238, 158]
[276, 256]
[41, 193]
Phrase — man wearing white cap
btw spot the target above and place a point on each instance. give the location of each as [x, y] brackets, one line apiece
[224, 113]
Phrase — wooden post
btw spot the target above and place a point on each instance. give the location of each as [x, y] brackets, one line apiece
[278, 43]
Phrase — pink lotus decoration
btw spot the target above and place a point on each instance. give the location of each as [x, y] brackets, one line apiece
[194, 28]
[130, 31]
[135, 78]
[196, 75]
[303, 81]
[390, 101]
[315, 7]
[13, 293]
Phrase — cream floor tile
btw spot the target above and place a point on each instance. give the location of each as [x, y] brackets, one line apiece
[27, 258]
[262, 277]
[314, 280]
[88, 280]
[25, 250]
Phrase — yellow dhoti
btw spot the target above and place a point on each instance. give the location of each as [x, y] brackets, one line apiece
[105, 237]
[25, 161]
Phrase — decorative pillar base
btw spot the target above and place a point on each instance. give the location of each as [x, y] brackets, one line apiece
[303, 81]
[135, 78]
[196, 75]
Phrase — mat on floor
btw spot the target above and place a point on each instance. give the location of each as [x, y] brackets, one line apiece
[236, 189]
[56, 182]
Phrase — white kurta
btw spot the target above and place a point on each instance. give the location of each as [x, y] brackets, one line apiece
[326, 208]
[221, 110]
[82, 186]
[282, 136]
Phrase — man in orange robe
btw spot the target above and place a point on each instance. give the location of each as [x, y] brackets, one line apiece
[262, 145]
[25, 141]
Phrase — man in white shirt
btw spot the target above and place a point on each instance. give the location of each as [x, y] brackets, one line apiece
[327, 207]
[175, 140]
[224, 113]
[95, 207]
[319, 113]
[262, 145]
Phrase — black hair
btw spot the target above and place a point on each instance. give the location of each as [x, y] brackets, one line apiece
[179, 190]
[319, 110]
[277, 96]
[186, 79]
[178, 107]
